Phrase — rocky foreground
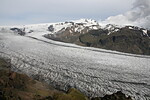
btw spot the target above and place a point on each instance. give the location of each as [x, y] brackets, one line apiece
[16, 86]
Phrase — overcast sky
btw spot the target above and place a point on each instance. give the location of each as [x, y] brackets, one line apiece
[14, 12]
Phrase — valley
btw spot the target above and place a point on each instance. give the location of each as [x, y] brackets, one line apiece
[64, 65]
[93, 71]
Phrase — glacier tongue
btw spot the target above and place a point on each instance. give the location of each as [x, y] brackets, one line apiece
[93, 71]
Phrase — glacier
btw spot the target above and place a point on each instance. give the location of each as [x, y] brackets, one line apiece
[93, 71]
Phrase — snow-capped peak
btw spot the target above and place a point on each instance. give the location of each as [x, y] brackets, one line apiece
[86, 21]
[75, 26]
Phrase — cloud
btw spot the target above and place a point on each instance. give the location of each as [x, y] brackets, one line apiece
[139, 15]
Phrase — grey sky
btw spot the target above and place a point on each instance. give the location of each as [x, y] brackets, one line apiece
[44, 11]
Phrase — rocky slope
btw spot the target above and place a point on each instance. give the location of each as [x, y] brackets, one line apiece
[16, 86]
[125, 39]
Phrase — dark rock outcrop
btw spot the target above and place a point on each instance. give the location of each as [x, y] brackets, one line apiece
[19, 31]
[116, 96]
[125, 40]
[51, 28]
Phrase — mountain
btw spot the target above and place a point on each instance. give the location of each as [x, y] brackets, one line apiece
[87, 32]
[127, 39]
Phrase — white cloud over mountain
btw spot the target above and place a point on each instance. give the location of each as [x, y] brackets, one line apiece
[139, 15]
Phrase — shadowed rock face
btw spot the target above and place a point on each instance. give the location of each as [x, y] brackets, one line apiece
[51, 28]
[116, 96]
[124, 40]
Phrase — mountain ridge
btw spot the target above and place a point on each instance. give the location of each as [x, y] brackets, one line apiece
[71, 32]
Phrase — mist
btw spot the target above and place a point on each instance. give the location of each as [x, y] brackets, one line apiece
[139, 15]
